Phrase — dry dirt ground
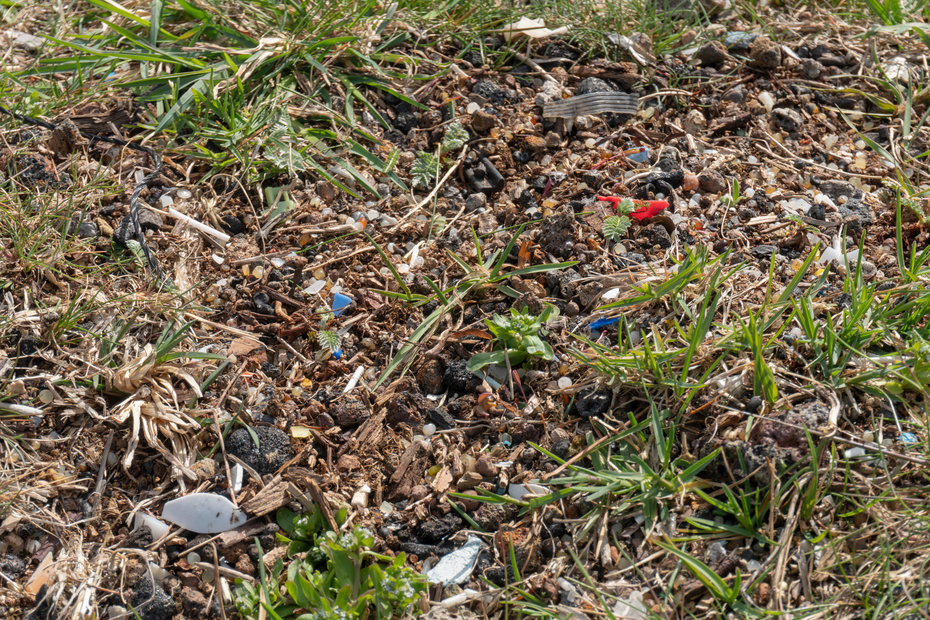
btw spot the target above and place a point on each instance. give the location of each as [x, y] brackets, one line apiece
[748, 144]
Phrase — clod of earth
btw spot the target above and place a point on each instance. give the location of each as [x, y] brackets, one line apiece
[274, 448]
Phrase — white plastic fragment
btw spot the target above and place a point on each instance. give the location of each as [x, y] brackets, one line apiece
[852, 453]
[533, 28]
[155, 526]
[360, 498]
[204, 513]
[896, 69]
[354, 380]
[632, 607]
[835, 253]
[183, 194]
[456, 567]
[466, 596]
[236, 474]
[222, 237]
[518, 491]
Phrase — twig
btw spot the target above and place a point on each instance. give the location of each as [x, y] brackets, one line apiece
[102, 472]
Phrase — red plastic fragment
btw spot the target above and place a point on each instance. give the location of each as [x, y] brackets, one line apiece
[645, 208]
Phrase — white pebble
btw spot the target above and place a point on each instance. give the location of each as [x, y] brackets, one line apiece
[564, 382]
[183, 194]
[429, 430]
[472, 108]
[767, 99]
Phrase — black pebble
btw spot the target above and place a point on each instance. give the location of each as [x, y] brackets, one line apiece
[233, 225]
[262, 303]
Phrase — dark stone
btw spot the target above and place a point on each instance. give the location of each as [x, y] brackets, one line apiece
[273, 450]
[765, 54]
[593, 85]
[712, 182]
[736, 95]
[527, 199]
[711, 54]
[430, 376]
[482, 122]
[593, 178]
[457, 379]
[418, 549]
[233, 225]
[12, 565]
[435, 529]
[763, 251]
[150, 601]
[43, 609]
[557, 234]
[561, 50]
[754, 404]
[593, 402]
[787, 119]
[149, 220]
[194, 603]
[817, 212]
[839, 189]
[482, 176]
[87, 230]
[350, 412]
[406, 119]
[491, 516]
[476, 201]
[856, 214]
[261, 301]
[490, 91]
[811, 69]
[441, 418]
[561, 447]
[657, 234]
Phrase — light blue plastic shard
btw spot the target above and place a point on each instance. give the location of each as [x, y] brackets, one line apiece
[340, 303]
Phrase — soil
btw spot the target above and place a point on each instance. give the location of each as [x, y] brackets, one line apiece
[764, 114]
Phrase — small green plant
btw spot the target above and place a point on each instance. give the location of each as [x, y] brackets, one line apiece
[615, 226]
[519, 337]
[427, 166]
[332, 576]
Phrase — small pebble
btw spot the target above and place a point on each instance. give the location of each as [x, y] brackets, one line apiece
[183, 194]
[429, 430]
[564, 382]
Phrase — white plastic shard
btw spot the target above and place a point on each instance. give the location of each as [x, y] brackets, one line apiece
[518, 491]
[204, 513]
[456, 567]
[156, 527]
[533, 28]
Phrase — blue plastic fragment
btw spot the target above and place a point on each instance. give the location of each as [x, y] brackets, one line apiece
[340, 303]
[640, 155]
[337, 354]
[908, 438]
[598, 324]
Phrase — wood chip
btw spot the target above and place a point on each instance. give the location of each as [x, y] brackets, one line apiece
[762, 219]
[269, 499]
